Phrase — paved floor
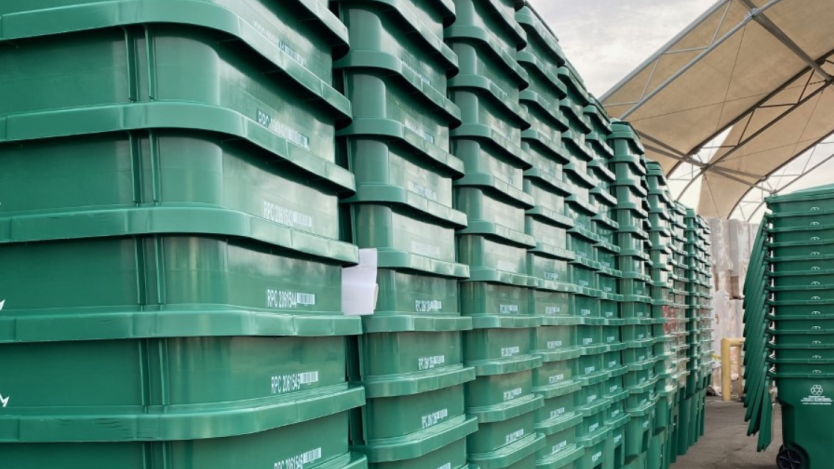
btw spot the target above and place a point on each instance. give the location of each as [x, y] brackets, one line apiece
[725, 444]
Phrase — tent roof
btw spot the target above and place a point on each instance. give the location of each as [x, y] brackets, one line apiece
[756, 70]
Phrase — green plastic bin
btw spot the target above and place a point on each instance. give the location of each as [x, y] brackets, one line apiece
[321, 443]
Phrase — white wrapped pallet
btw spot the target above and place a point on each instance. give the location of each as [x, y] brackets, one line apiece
[720, 321]
[739, 247]
[720, 239]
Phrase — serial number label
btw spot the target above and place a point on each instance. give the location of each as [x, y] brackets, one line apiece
[419, 130]
[559, 447]
[512, 394]
[551, 310]
[510, 351]
[428, 363]
[434, 418]
[551, 276]
[283, 299]
[554, 344]
[422, 191]
[298, 462]
[428, 306]
[285, 48]
[556, 378]
[413, 70]
[508, 309]
[283, 130]
[514, 436]
[284, 216]
[557, 413]
[293, 382]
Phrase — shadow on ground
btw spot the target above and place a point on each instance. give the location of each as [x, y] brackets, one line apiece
[725, 444]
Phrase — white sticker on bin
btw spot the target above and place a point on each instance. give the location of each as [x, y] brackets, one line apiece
[359, 287]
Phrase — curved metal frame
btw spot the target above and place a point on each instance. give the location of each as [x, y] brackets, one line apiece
[804, 173]
[755, 14]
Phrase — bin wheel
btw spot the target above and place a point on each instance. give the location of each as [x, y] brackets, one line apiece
[789, 459]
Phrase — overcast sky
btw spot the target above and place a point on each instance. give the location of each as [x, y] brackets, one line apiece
[607, 39]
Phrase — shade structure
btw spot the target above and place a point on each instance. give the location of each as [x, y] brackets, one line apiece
[751, 76]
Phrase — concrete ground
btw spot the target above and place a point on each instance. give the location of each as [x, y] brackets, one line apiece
[725, 444]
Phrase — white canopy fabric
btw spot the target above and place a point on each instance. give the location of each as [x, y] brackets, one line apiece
[756, 70]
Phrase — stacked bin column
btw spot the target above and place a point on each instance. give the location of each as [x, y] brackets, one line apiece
[701, 330]
[176, 193]
[670, 321]
[704, 269]
[789, 292]
[593, 403]
[686, 347]
[410, 357]
[556, 339]
[486, 38]
[639, 356]
[608, 278]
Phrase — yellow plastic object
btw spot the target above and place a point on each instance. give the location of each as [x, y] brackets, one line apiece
[726, 366]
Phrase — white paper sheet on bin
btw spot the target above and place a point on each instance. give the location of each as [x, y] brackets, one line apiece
[359, 287]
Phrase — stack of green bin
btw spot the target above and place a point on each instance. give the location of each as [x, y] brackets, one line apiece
[699, 327]
[557, 381]
[757, 380]
[702, 276]
[689, 347]
[170, 245]
[410, 358]
[788, 327]
[497, 296]
[669, 318]
[595, 332]
[678, 295]
[608, 277]
[706, 318]
[638, 334]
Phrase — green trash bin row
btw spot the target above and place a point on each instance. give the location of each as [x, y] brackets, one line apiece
[488, 259]
[183, 285]
[517, 355]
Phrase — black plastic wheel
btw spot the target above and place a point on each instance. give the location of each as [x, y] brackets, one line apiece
[789, 459]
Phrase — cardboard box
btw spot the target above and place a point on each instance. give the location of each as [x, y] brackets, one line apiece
[736, 287]
[723, 283]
